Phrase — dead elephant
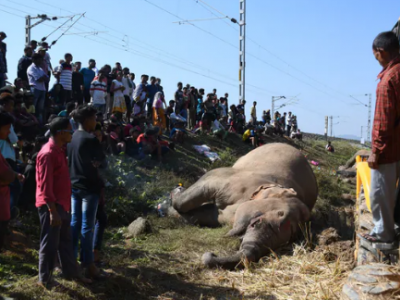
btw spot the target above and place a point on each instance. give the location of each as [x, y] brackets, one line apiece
[265, 195]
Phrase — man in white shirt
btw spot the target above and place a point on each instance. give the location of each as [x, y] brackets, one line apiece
[37, 79]
[128, 91]
[289, 121]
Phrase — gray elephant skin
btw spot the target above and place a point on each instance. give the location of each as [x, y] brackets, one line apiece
[264, 197]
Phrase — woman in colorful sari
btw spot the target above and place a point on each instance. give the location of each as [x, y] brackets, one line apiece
[159, 119]
[117, 88]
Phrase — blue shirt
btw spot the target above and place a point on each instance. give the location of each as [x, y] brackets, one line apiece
[6, 147]
[88, 76]
[34, 74]
[151, 91]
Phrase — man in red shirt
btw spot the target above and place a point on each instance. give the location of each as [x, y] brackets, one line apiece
[53, 200]
[385, 157]
[7, 175]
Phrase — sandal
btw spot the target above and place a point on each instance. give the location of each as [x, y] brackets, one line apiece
[374, 242]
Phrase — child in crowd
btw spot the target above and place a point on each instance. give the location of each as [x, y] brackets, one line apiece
[25, 125]
[168, 112]
[132, 146]
[178, 132]
[100, 118]
[117, 144]
[250, 136]
[28, 103]
[56, 97]
[66, 112]
[149, 143]
[218, 130]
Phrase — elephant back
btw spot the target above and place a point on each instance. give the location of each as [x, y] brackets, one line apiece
[283, 164]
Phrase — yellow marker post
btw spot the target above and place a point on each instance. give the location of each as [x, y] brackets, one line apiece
[364, 179]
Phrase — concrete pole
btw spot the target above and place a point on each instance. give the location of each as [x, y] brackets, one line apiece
[273, 108]
[242, 51]
[369, 118]
[27, 30]
[326, 127]
[362, 127]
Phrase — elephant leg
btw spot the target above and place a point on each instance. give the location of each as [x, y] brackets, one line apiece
[203, 191]
[206, 215]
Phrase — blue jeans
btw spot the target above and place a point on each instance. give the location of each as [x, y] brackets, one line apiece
[184, 113]
[101, 224]
[84, 208]
[39, 98]
[100, 108]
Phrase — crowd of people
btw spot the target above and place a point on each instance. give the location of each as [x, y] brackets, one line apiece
[54, 142]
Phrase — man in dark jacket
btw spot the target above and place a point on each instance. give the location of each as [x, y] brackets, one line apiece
[23, 65]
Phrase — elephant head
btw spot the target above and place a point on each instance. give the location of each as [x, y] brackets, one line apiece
[265, 222]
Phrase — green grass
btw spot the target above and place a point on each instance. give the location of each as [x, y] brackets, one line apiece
[167, 263]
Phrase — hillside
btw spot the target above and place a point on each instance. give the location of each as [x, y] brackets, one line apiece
[166, 263]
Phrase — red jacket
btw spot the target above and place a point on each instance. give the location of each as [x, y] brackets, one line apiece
[386, 129]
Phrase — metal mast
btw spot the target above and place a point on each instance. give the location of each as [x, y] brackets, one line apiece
[242, 50]
[369, 117]
[27, 30]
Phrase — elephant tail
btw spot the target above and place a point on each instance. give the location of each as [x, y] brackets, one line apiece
[236, 260]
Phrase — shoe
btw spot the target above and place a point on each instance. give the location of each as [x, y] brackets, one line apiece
[92, 271]
[14, 213]
[96, 256]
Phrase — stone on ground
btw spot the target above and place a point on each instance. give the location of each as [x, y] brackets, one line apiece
[138, 227]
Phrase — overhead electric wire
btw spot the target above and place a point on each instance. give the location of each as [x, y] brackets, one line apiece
[68, 29]
[270, 52]
[11, 13]
[249, 54]
[57, 28]
[17, 9]
[152, 48]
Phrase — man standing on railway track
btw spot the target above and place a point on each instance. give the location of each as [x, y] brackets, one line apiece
[385, 157]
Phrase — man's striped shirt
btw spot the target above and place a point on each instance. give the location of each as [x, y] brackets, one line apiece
[66, 76]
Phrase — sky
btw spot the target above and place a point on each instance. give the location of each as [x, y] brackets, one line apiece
[315, 53]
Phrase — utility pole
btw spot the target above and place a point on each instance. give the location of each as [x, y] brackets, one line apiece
[331, 119]
[362, 127]
[27, 30]
[274, 99]
[42, 18]
[369, 113]
[28, 25]
[242, 51]
[326, 127]
[369, 117]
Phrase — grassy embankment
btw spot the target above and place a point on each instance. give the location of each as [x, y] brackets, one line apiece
[166, 263]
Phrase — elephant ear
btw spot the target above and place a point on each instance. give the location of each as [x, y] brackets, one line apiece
[273, 190]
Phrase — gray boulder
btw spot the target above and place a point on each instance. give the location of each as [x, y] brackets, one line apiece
[138, 227]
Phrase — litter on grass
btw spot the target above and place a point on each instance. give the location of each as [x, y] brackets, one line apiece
[206, 151]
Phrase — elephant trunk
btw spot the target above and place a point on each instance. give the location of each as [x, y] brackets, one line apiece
[229, 262]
